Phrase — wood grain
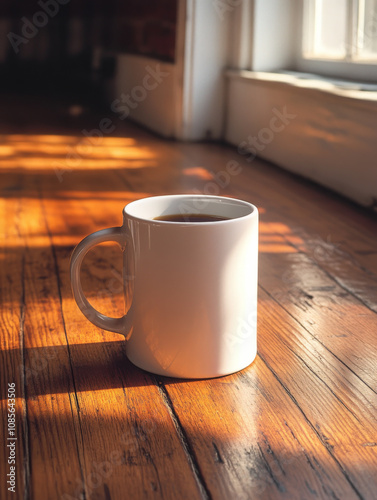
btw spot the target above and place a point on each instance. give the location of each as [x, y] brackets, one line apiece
[300, 422]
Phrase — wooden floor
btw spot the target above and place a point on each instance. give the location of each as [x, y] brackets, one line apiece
[299, 423]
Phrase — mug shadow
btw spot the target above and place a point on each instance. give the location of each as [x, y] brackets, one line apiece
[78, 367]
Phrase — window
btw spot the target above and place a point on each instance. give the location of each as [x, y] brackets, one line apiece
[340, 38]
[341, 29]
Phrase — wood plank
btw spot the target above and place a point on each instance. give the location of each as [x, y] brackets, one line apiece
[121, 411]
[332, 317]
[298, 423]
[252, 441]
[344, 246]
[110, 437]
[335, 396]
[290, 193]
[11, 352]
[282, 443]
[316, 279]
[358, 326]
[52, 419]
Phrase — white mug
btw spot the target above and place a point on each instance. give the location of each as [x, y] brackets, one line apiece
[194, 287]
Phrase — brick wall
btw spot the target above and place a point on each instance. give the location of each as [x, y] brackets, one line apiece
[146, 27]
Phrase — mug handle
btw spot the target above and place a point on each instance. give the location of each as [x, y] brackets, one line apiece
[119, 325]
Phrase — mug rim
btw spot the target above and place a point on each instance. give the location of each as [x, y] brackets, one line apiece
[253, 209]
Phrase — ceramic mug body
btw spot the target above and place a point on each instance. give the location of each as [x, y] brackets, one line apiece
[194, 288]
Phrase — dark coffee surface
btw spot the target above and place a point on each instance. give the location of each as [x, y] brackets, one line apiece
[190, 218]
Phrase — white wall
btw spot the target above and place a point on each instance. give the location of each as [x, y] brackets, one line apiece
[157, 110]
[189, 104]
[200, 67]
[331, 139]
[275, 32]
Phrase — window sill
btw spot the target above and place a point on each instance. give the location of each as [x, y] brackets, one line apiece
[329, 127]
[366, 92]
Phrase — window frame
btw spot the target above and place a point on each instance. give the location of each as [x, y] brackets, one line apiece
[359, 69]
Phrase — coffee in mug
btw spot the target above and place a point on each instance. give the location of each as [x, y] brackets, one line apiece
[190, 218]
